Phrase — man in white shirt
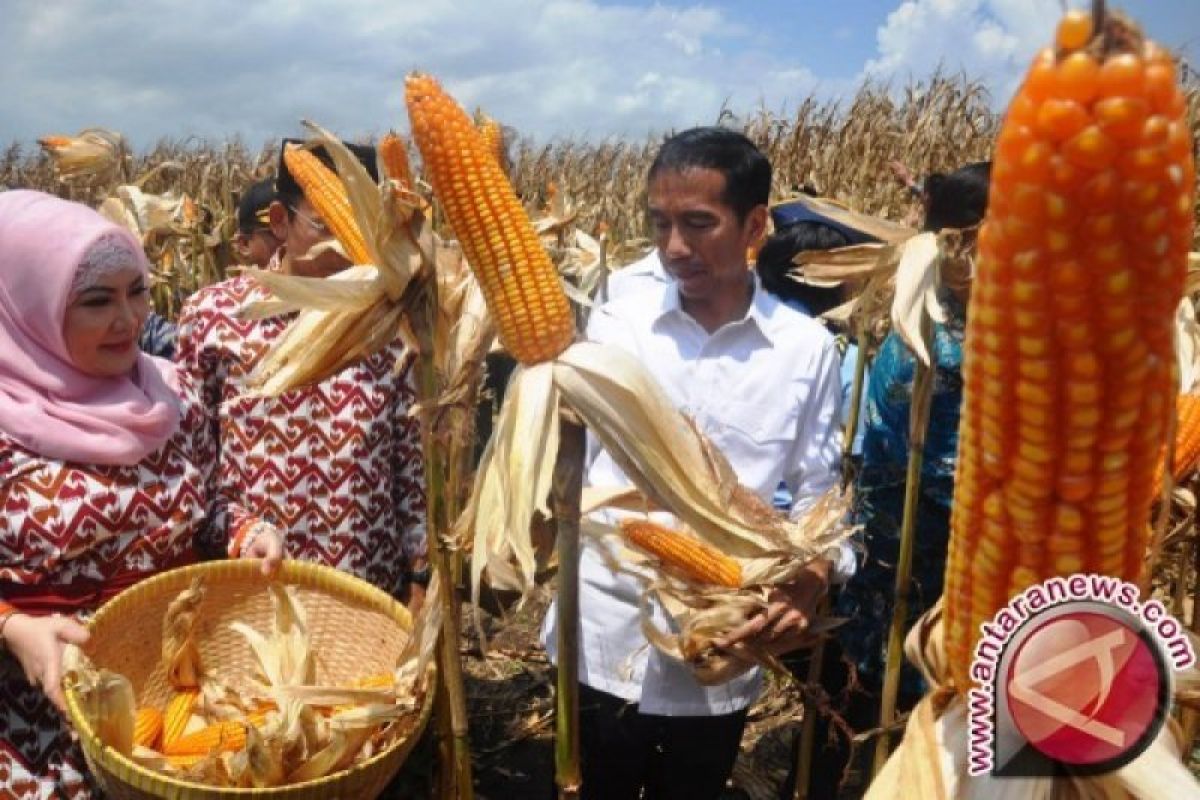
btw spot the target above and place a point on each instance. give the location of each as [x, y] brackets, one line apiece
[762, 381]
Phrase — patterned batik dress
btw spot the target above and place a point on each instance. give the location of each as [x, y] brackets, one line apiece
[336, 465]
[71, 536]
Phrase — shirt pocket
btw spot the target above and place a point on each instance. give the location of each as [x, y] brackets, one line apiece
[756, 437]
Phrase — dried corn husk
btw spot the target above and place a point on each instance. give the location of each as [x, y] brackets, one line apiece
[107, 699]
[93, 153]
[358, 312]
[284, 656]
[180, 656]
[655, 444]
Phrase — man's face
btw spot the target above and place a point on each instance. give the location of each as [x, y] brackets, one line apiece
[255, 247]
[301, 231]
[700, 239]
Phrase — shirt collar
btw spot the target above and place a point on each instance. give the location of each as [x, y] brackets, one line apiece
[760, 315]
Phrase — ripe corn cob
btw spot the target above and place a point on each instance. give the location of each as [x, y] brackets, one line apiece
[225, 736]
[325, 191]
[1187, 441]
[177, 713]
[520, 284]
[147, 727]
[493, 135]
[54, 142]
[394, 154]
[1068, 369]
[694, 559]
[382, 680]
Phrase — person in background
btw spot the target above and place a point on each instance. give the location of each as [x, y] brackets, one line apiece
[798, 229]
[762, 380]
[105, 467]
[158, 336]
[255, 242]
[955, 200]
[336, 464]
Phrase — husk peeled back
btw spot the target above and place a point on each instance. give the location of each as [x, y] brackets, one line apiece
[657, 446]
[106, 697]
[180, 656]
[931, 760]
[358, 311]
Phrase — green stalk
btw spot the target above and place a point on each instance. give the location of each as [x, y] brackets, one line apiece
[567, 488]
[437, 533]
[856, 392]
[918, 421]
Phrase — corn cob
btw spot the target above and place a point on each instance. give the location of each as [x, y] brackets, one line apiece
[324, 190]
[1187, 441]
[493, 136]
[684, 554]
[147, 727]
[394, 155]
[54, 142]
[177, 713]
[225, 736]
[519, 282]
[382, 680]
[1068, 363]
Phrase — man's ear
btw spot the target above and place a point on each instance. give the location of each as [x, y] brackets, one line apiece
[755, 226]
[277, 216]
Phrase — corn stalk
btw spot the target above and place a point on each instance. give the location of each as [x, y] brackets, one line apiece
[567, 488]
[918, 421]
[438, 528]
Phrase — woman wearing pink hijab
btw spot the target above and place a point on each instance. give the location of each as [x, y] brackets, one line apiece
[103, 466]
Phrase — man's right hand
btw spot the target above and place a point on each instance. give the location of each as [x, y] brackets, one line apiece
[38, 644]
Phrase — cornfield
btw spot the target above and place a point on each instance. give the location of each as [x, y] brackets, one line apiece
[840, 148]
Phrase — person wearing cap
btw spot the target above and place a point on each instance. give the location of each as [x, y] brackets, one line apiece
[955, 200]
[336, 465]
[255, 242]
[761, 380]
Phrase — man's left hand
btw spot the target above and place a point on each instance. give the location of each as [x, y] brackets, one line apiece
[784, 624]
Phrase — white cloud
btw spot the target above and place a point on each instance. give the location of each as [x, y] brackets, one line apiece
[993, 40]
[215, 68]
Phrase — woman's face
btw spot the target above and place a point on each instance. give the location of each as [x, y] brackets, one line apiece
[104, 319]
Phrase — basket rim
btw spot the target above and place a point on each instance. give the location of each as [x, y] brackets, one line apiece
[290, 572]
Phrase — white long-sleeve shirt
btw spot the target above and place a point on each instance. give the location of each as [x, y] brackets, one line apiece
[766, 390]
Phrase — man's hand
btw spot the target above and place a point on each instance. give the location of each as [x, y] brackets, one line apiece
[38, 643]
[791, 608]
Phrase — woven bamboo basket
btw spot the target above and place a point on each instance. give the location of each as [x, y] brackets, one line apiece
[356, 630]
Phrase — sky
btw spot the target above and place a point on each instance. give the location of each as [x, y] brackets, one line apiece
[557, 69]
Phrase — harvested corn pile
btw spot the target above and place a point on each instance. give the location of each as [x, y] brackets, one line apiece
[274, 727]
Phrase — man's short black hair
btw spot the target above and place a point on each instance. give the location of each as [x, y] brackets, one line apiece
[959, 199]
[255, 205]
[288, 192]
[747, 171]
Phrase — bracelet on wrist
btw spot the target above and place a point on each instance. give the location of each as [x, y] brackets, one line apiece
[420, 577]
[7, 611]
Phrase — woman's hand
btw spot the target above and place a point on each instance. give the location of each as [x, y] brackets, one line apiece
[38, 643]
[265, 542]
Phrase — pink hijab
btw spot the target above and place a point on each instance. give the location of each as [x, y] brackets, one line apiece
[46, 404]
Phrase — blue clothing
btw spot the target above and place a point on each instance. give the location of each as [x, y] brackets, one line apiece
[866, 600]
[158, 337]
